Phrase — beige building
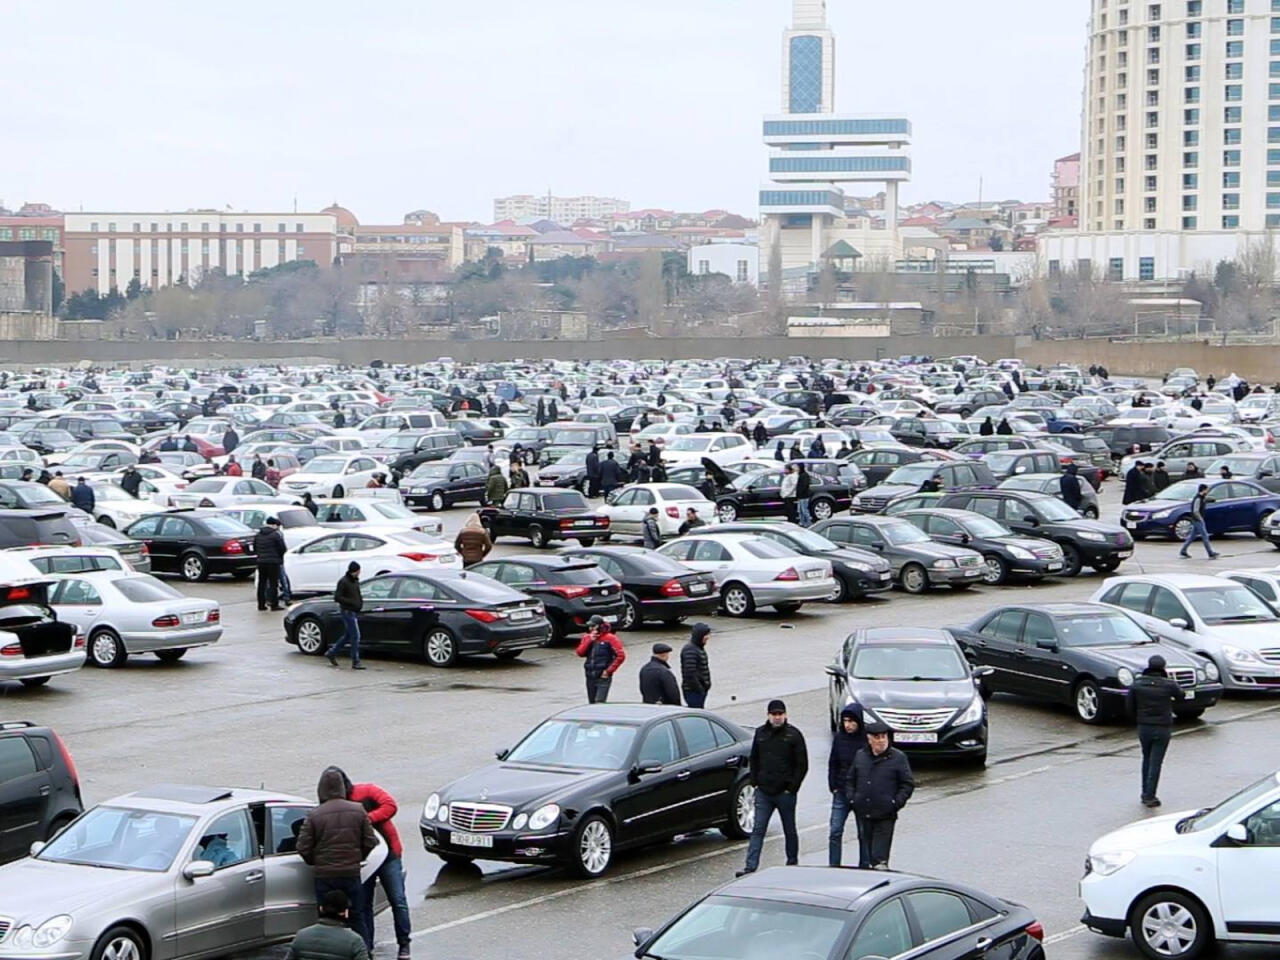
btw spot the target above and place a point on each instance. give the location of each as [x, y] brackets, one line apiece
[563, 210]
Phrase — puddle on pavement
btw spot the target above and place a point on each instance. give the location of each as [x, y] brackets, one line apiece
[442, 687]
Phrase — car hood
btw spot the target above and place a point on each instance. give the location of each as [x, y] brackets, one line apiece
[561, 469]
[1155, 506]
[934, 550]
[36, 890]
[1140, 835]
[1251, 635]
[1136, 656]
[520, 784]
[1109, 530]
[912, 694]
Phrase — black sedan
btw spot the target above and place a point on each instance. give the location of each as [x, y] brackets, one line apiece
[1082, 654]
[760, 495]
[437, 617]
[917, 681]
[654, 587]
[440, 485]
[1006, 554]
[572, 589]
[592, 780]
[544, 515]
[810, 913]
[857, 572]
[878, 462]
[196, 544]
[918, 563]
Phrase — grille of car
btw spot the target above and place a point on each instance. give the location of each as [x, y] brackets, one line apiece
[1047, 553]
[1271, 655]
[913, 720]
[479, 817]
[1183, 676]
[969, 561]
[5, 925]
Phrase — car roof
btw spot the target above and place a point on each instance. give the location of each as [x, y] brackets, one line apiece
[196, 800]
[555, 561]
[1065, 608]
[623, 712]
[834, 887]
[894, 634]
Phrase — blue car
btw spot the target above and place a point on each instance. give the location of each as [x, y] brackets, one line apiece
[1234, 505]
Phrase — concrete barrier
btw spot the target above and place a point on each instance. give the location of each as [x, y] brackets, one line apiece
[1257, 364]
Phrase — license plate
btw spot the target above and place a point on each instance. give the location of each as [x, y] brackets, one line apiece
[611, 619]
[192, 617]
[973, 573]
[1188, 694]
[584, 523]
[812, 574]
[522, 615]
[472, 839]
[886, 576]
[1054, 566]
[699, 588]
[916, 737]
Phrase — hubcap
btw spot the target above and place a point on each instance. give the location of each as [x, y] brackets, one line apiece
[735, 601]
[104, 648]
[993, 571]
[439, 647]
[1182, 529]
[1169, 929]
[595, 847]
[913, 580]
[628, 616]
[437, 501]
[728, 514]
[191, 568]
[746, 809]
[836, 595]
[309, 637]
[121, 948]
[821, 510]
[1087, 702]
[536, 537]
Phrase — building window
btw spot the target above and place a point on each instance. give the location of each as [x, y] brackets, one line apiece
[1191, 138]
[1235, 6]
[1191, 95]
[1150, 185]
[1273, 222]
[1191, 74]
[1231, 114]
[1273, 134]
[1152, 141]
[1115, 269]
[1273, 201]
[1273, 70]
[1275, 48]
[806, 74]
[1119, 164]
[704, 266]
[1273, 91]
[239, 228]
[1120, 144]
[1191, 181]
[1275, 24]
[1231, 135]
[1235, 48]
[184, 226]
[1117, 225]
[1193, 29]
[204, 228]
[1153, 34]
[1151, 162]
[1234, 71]
[1119, 208]
[1231, 180]
[1189, 202]
[1119, 184]
[111, 227]
[1195, 8]
[1233, 92]
[1231, 158]
[1273, 178]
[1153, 56]
[1153, 118]
[1153, 78]
[1055, 268]
[1188, 223]
[1235, 28]
[743, 272]
[1149, 223]
[1191, 117]
[1231, 222]
[1193, 51]
[1231, 201]
[1149, 205]
[257, 228]
[1146, 268]
[1273, 113]
[1191, 159]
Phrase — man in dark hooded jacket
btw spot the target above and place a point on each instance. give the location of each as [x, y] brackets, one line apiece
[695, 666]
[845, 745]
[1069, 485]
[269, 548]
[592, 465]
[881, 785]
[1134, 485]
[335, 838]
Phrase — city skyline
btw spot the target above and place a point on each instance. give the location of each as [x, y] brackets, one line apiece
[174, 108]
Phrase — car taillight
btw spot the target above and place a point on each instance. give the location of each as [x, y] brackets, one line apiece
[420, 557]
[11, 650]
[205, 502]
[19, 593]
[168, 620]
[66, 758]
[486, 616]
[79, 641]
[145, 550]
[179, 486]
[215, 616]
[1036, 930]
[566, 524]
[788, 574]
[673, 512]
[233, 546]
[570, 593]
[672, 588]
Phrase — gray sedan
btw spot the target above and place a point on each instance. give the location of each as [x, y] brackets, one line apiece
[918, 563]
[170, 872]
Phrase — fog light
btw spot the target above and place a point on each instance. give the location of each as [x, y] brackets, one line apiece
[429, 839]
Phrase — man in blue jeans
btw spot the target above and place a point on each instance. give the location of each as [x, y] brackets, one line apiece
[1198, 529]
[846, 743]
[779, 762]
[350, 601]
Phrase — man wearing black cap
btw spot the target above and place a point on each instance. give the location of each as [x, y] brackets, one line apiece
[881, 785]
[657, 682]
[269, 547]
[350, 602]
[1150, 701]
[602, 655]
[845, 745]
[779, 762]
[695, 667]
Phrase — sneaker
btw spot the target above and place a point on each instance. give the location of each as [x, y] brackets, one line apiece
[1214, 556]
[333, 661]
[403, 953]
[1155, 801]
[1150, 802]
[743, 873]
[357, 666]
[1184, 556]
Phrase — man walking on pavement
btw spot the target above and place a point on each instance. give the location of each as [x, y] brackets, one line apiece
[330, 938]
[603, 655]
[881, 785]
[779, 762]
[269, 548]
[1150, 702]
[335, 838]
[350, 602]
[1198, 529]
[657, 682]
[695, 667]
[649, 529]
[845, 745]
[1069, 485]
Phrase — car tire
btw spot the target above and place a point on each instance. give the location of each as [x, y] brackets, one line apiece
[1090, 513]
[309, 635]
[508, 654]
[727, 512]
[440, 648]
[742, 812]
[530, 458]
[631, 619]
[592, 848]
[1260, 528]
[1086, 701]
[914, 579]
[1071, 563]
[1182, 528]
[842, 593]
[996, 571]
[558, 631]
[107, 521]
[965, 413]
[788, 608]
[193, 567]
[822, 509]
[1194, 714]
[538, 536]
[1107, 566]
[106, 649]
[1150, 917]
[171, 656]
[437, 501]
[120, 943]
[339, 492]
[583, 486]
[587, 541]
[33, 682]
[57, 825]
[737, 600]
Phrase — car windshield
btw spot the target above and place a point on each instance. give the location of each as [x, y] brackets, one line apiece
[120, 838]
[1182, 490]
[569, 500]
[689, 444]
[912, 474]
[430, 471]
[400, 441]
[1001, 461]
[576, 743]
[1231, 809]
[36, 493]
[300, 517]
[908, 661]
[1099, 630]
[146, 590]
[1229, 604]
[985, 527]
[902, 533]
[325, 465]
[723, 927]
[808, 540]
[1052, 509]
[573, 458]
[1244, 466]
[523, 434]
[574, 437]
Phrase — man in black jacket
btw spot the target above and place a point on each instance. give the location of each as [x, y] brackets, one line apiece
[657, 682]
[230, 440]
[779, 762]
[269, 547]
[610, 474]
[881, 785]
[593, 472]
[1150, 701]
[695, 667]
[1069, 485]
[1134, 488]
[350, 602]
[845, 746]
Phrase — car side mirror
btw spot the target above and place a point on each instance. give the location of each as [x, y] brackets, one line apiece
[878, 545]
[197, 869]
[983, 672]
[1179, 623]
[36, 847]
[1031, 520]
[965, 538]
[501, 752]
[644, 769]
[1050, 645]
[641, 935]
[1263, 474]
[838, 672]
[1236, 832]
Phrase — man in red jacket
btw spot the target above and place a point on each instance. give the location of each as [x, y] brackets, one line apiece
[603, 655]
[381, 807]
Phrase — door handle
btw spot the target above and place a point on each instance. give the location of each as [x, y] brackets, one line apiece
[684, 774]
[253, 877]
[379, 609]
[732, 762]
[983, 943]
[45, 790]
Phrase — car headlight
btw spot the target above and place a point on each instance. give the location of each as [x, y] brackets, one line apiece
[1125, 676]
[1022, 554]
[944, 563]
[544, 816]
[1237, 655]
[1211, 670]
[443, 815]
[519, 822]
[20, 938]
[971, 714]
[430, 808]
[860, 567]
[1163, 514]
[51, 931]
[1105, 864]
[1091, 535]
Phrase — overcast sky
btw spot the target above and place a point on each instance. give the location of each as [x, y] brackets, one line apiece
[402, 104]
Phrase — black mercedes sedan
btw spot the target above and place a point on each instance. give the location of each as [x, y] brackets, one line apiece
[916, 680]
[833, 912]
[760, 495]
[918, 563]
[573, 589]
[1005, 553]
[196, 543]
[654, 587]
[593, 780]
[1082, 654]
[858, 572]
[544, 515]
[439, 485]
[438, 617]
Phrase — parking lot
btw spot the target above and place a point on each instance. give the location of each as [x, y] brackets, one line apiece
[252, 711]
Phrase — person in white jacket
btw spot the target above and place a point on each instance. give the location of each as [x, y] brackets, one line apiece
[788, 491]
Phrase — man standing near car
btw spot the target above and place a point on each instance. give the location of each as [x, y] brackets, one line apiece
[695, 667]
[350, 602]
[657, 682]
[651, 532]
[779, 762]
[803, 488]
[603, 655]
[335, 838]
[82, 496]
[787, 490]
[592, 465]
[1069, 485]
[269, 548]
[881, 785]
[1150, 701]
[845, 745]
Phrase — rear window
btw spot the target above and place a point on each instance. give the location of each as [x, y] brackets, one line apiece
[225, 526]
[478, 588]
[580, 575]
[563, 501]
[205, 486]
[300, 517]
[767, 549]
[658, 563]
[146, 590]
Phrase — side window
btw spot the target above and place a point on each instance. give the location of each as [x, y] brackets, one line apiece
[145, 528]
[698, 735]
[1131, 596]
[627, 499]
[1039, 627]
[284, 825]
[1006, 625]
[416, 588]
[227, 841]
[378, 589]
[174, 527]
[1261, 587]
[16, 759]
[883, 934]
[938, 913]
[323, 545]
[709, 550]
[942, 527]
[518, 573]
[1263, 827]
[959, 475]
[77, 593]
[987, 506]
[659, 746]
[1165, 606]
[723, 737]
[643, 498]
[863, 535]
[258, 486]
[610, 566]
[243, 487]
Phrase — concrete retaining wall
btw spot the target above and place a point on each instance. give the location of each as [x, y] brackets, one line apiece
[1258, 364]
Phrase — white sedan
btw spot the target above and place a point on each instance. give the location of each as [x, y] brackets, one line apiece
[124, 613]
[297, 525]
[627, 511]
[332, 476]
[372, 512]
[227, 492]
[752, 572]
[315, 567]
[113, 507]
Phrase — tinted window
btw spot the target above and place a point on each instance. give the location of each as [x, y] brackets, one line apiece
[1006, 625]
[709, 550]
[723, 736]
[659, 746]
[987, 506]
[697, 733]
[1166, 606]
[1039, 627]
[938, 913]
[883, 934]
[16, 759]
[227, 841]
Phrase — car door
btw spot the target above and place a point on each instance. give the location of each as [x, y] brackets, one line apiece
[1249, 875]
[289, 894]
[310, 565]
[866, 536]
[763, 494]
[713, 770]
[171, 538]
[78, 602]
[1045, 673]
[24, 794]
[628, 511]
[996, 645]
[224, 911]
[654, 804]
[1246, 503]
[947, 924]
[382, 625]
[714, 558]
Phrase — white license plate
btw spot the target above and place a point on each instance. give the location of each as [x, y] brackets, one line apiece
[472, 839]
[584, 523]
[699, 588]
[192, 617]
[916, 737]
[522, 615]
[1124, 553]
[886, 576]
[1054, 566]
[611, 619]
[812, 574]
[1188, 694]
[973, 573]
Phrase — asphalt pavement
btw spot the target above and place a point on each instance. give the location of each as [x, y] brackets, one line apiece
[252, 711]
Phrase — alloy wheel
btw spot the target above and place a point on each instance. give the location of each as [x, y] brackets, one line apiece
[192, 567]
[737, 601]
[595, 847]
[441, 651]
[437, 501]
[121, 948]
[822, 510]
[1169, 928]
[1087, 702]
[310, 637]
[745, 809]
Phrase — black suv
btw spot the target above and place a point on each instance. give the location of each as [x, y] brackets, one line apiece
[573, 589]
[760, 495]
[1084, 543]
[405, 450]
[1121, 438]
[22, 528]
[924, 476]
[39, 788]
